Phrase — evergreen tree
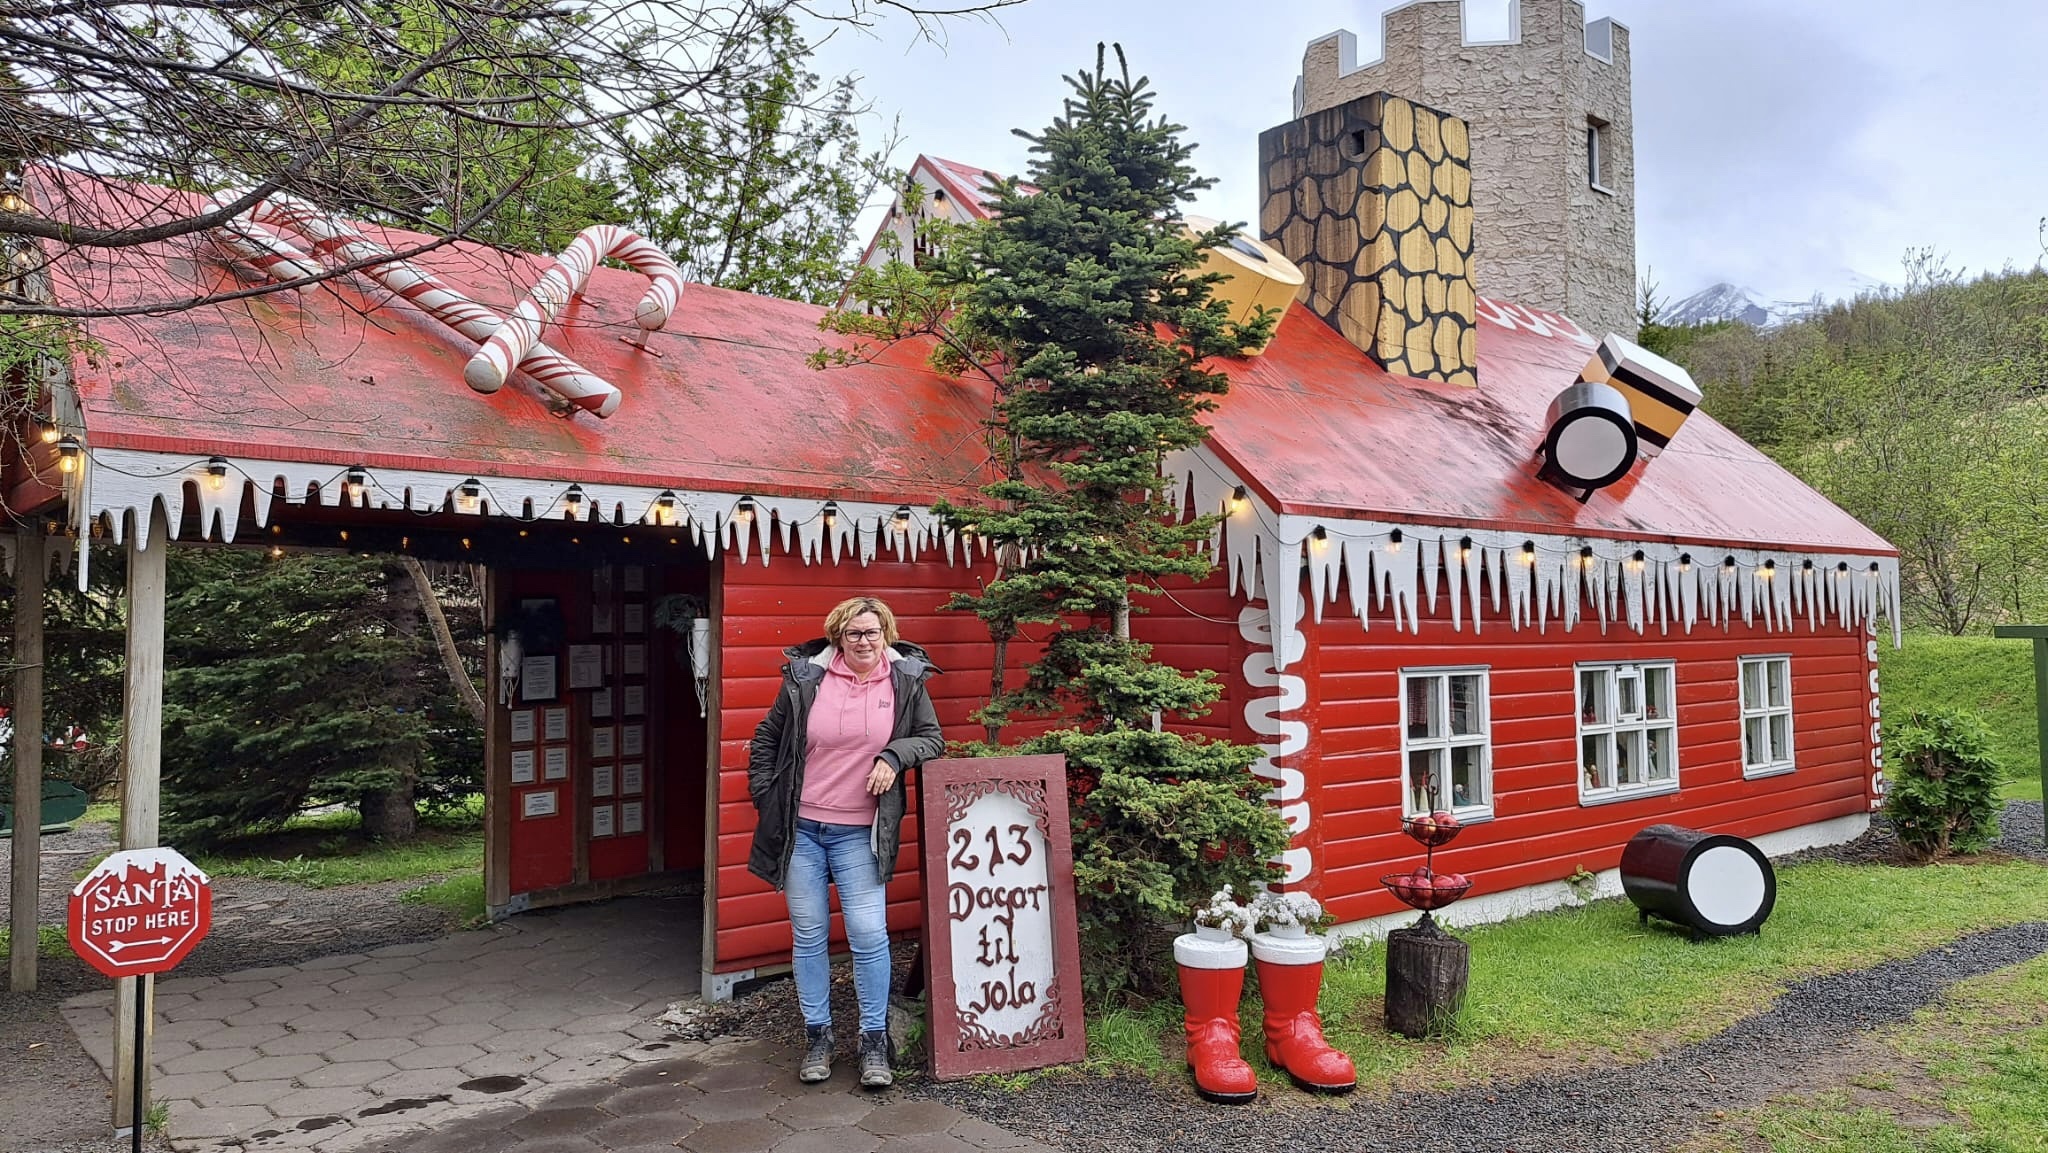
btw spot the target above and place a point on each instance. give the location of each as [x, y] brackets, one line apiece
[1085, 301]
[302, 680]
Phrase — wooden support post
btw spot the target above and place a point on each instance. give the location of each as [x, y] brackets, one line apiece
[29, 550]
[142, 718]
[498, 798]
[1426, 973]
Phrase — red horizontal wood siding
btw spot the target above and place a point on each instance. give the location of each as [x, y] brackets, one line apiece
[1540, 831]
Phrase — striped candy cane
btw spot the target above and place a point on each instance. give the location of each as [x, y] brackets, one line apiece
[568, 379]
[265, 249]
[565, 278]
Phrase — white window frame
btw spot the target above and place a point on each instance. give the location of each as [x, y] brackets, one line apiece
[1596, 155]
[1621, 726]
[1482, 740]
[1766, 711]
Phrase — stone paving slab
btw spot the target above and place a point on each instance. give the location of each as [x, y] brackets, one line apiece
[531, 1036]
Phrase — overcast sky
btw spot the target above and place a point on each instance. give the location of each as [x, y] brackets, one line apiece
[1784, 145]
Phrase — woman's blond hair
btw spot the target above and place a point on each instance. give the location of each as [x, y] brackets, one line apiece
[846, 610]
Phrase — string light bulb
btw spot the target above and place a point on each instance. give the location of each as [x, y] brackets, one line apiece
[1770, 569]
[354, 483]
[1685, 562]
[1464, 547]
[902, 519]
[1239, 498]
[47, 431]
[665, 509]
[469, 497]
[1728, 565]
[216, 473]
[1635, 562]
[69, 451]
[572, 502]
[1529, 553]
[830, 513]
[743, 512]
[1586, 556]
[1394, 541]
[1321, 535]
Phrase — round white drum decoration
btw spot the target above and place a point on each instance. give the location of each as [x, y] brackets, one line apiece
[1726, 885]
[1591, 437]
[1711, 884]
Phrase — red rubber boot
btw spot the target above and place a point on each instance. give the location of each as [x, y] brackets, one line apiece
[1211, 982]
[1290, 980]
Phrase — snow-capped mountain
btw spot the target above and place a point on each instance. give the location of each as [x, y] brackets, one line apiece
[1725, 301]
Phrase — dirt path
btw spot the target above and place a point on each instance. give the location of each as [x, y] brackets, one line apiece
[52, 1096]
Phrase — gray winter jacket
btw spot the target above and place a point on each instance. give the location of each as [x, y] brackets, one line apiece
[775, 759]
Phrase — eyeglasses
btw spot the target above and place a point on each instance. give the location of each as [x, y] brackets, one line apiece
[861, 635]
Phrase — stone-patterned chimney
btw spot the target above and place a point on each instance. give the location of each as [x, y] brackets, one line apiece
[1372, 199]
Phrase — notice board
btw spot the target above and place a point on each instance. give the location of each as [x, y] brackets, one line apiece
[1002, 950]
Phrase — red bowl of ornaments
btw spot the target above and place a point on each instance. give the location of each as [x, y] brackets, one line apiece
[1432, 829]
[1424, 889]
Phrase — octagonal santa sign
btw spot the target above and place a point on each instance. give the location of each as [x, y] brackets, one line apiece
[141, 911]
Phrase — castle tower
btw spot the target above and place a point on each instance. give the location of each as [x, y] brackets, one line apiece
[1553, 155]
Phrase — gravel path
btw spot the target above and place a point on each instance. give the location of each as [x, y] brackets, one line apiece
[52, 1096]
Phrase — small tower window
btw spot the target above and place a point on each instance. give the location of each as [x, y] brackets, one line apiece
[1596, 154]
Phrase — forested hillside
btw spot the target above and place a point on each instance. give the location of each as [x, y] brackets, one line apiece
[1924, 412]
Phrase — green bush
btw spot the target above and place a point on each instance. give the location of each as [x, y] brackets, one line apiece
[1944, 783]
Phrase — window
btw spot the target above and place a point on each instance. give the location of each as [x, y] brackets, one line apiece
[1446, 742]
[1628, 731]
[1596, 154]
[1766, 715]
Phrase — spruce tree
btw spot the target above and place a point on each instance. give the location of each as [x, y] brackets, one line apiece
[1087, 297]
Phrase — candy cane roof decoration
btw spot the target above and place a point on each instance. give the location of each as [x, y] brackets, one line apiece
[565, 278]
[576, 385]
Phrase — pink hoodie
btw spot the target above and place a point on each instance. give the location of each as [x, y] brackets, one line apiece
[850, 722]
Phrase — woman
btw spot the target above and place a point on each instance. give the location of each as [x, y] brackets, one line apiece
[826, 771]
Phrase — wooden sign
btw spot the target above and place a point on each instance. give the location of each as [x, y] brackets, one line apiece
[1003, 955]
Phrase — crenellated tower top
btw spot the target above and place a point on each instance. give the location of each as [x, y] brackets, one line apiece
[1553, 155]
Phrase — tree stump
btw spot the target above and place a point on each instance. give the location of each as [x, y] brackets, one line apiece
[1426, 972]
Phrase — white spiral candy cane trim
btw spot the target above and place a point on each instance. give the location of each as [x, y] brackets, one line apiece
[565, 278]
[270, 253]
[566, 378]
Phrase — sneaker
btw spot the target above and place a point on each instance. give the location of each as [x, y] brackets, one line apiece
[874, 1060]
[817, 1054]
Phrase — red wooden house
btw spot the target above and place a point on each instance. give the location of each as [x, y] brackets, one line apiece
[1406, 615]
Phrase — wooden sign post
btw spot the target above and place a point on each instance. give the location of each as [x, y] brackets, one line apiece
[1002, 952]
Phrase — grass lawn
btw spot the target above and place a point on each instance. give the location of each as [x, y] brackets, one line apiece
[1591, 986]
[50, 941]
[1968, 1075]
[1990, 677]
[326, 849]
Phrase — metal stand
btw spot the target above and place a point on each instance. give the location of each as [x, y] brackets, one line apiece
[141, 1024]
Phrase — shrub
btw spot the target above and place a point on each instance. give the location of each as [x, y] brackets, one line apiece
[1944, 783]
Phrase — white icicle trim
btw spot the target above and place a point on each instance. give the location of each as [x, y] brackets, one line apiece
[119, 487]
[1263, 553]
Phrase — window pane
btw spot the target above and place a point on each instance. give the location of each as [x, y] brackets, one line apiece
[1468, 711]
[1756, 746]
[1628, 688]
[1781, 738]
[1661, 755]
[1753, 685]
[1596, 760]
[1468, 775]
[1780, 673]
[1424, 707]
[1628, 758]
[1657, 694]
[1593, 696]
[1425, 780]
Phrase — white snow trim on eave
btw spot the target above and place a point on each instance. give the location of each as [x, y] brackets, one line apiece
[118, 488]
[1491, 908]
[1531, 578]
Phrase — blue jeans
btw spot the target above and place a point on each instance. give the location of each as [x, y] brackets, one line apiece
[844, 854]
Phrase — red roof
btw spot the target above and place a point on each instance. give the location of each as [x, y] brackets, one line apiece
[723, 401]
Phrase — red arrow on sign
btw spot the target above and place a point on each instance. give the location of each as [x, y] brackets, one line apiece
[140, 911]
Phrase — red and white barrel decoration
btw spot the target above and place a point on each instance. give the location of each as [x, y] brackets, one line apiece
[248, 238]
[1710, 883]
[565, 278]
